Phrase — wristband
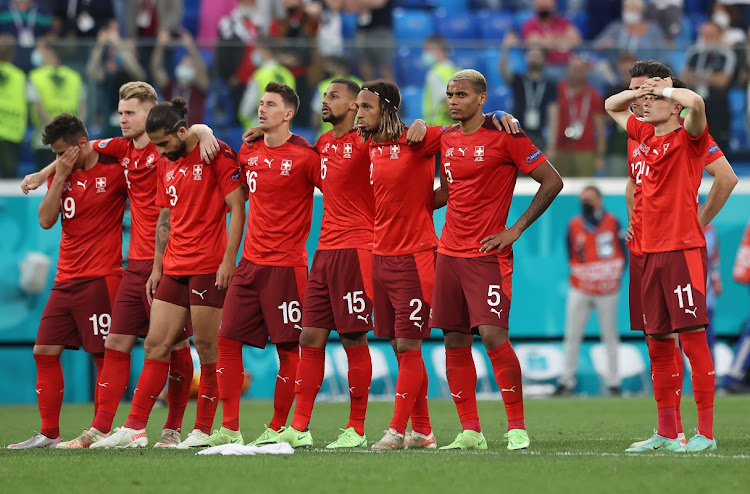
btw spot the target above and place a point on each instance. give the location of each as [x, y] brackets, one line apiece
[667, 92]
[499, 113]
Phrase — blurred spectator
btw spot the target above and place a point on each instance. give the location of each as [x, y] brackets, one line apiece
[617, 142]
[269, 70]
[596, 252]
[333, 68]
[553, 32]
[668, 14]
[713, 280]
[434, 102]
[112, 63]
[633, 33]
[145, 19]
[83, 18]
[331, 29]
[533, 92]
[53, 89]
[26, 21]
[577, 138]
[374, 39]
[13, 108]
[190, 80]
[727, 17]
[601, 13]
[709, 70]
[734, 380]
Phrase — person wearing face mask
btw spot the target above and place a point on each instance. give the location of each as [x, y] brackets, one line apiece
[190, 81]
[53, 89]
[727, 17]
[434, 103]
[596, 252]
[633, 33]
[13, 108]
[26, 21]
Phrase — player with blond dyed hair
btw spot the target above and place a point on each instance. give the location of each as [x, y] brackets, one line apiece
[130, 313]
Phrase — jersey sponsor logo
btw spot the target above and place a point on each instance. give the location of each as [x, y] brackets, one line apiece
[449, 152]
[712, 149]
[198, 172]
[103, 144]
[286, 167]
[183, 171]
[150, 161]
[235, 176]
[478, 153]
[101, 184]
[170, 175]
[463, 151]
[533, 156]
[335, 148]
[348, 148]
[252, 161]
[688, 311]
[82, 184]
[395, 150]
[268, 162]
[666, 146]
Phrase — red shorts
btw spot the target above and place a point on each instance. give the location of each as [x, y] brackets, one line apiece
[131, 310]
[339, 291]
[190, 289]
[470, 292]
[402, 291]
[635, 292]
[674, 290]
[79, 312]
[264, 301]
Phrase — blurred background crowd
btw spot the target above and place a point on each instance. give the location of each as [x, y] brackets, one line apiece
[550, 62]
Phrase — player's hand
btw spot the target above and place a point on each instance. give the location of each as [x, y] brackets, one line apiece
[416, 131]
[32, 182]
[151, 285]
[499, 241]
[224, 275]
[64, 163]
[508, 123]
[656, 85]
[252, 134]
[629, 232]
[209, 146]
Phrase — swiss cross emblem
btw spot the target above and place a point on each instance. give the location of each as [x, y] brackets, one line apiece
[197, 172]
[101, 184]
[150, 161]
[347, 150]
[286, 167]
[395, 149]
[478, 153]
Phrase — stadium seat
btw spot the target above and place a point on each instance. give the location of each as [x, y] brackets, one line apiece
[455, 25]
[521, 17]
[676, 60]
[516, 60]
[697, 19]
[737, 101]
[499, 98]
[696, 6]
[455, 6]
[413, 4]
[412, 25]
[411, 104]
[348, 25]
[686, 34]
[468, 59]
[581, 21]
[408, 67]
[493, 25]
[491, 59]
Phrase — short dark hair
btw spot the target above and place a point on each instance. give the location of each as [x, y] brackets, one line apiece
[65, 126]
[351, 86]
[678, 83]
[594, 189]
[650, 68]
[288, 95]
[168, 116]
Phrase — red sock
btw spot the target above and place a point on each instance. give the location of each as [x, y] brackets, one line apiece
[111, 385]
[99, 361]
[664, 376]
[360, 378]
[508, 376]
[699, 354]
[310, 373]
[420, 414]
[49, 392]
[283, 396]
[462, 380]
[680, 370]
[408, 385]
[178, 390]
[208, 398]
[153, 378]
[230, 375]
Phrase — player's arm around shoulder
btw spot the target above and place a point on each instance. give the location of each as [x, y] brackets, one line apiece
[49, 209]
[618, 106]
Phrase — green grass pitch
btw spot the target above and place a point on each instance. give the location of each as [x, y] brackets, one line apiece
[577, 446]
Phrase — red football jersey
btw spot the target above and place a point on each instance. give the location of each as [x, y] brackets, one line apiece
[348, 201]
[672, 169]
[92, 205]
[636, 167]
[281, 182]
[403, 178]
[481, 171]
[195, 194]
[139, 166]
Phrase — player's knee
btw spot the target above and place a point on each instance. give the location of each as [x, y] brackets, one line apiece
[157, 349]
[352, 340]
[181, 344]
[120, 343]
[407, 344]
[205, 346]
[313, 337]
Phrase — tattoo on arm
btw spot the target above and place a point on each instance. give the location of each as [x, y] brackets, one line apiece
[162, 230]
[539, 204]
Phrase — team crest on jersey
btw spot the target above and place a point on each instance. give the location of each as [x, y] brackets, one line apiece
[68, 187]
[348, 150]
[150, 161]
[644, 148]
[252, 161]
[449, 153]
[101, 184]
[325, 148]
[286, 167]
[197, 172]
[395, 150]
[170, 175]
[478, 153]
[666, 146]
[103, 144]
[126, 161]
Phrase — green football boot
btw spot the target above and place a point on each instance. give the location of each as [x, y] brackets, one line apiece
[468, 440]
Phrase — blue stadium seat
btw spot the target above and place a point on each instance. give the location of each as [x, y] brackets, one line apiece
[348, 25]
[492, 67]
[581, 21]
[408, 68]
[413, 4]
[455, 25]
[737, 102]
[498, 98]
[493, 25]
[696, 6]
[697, 19]
[412, 25]
[468, 59]
[676, 60]
[411, 104]
[454, 6]
[687, 34]
[521, 17]
[219, 111]
[516, 60]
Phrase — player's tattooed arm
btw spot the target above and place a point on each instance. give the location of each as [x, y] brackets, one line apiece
[163, 226]
[550, 185]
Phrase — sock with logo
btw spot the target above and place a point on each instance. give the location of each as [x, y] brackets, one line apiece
[360, 378]
[664, 376]
[283, 396]
[507, 371]
[699, 354]
[99, 363]
[408, 385]
[420, 415]
[309, 377]
[462, 380]
[178, 388]
[111, 384]
[208, 398]
[49, 392]
[230, 375]
[680, 379]
[153, 378]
